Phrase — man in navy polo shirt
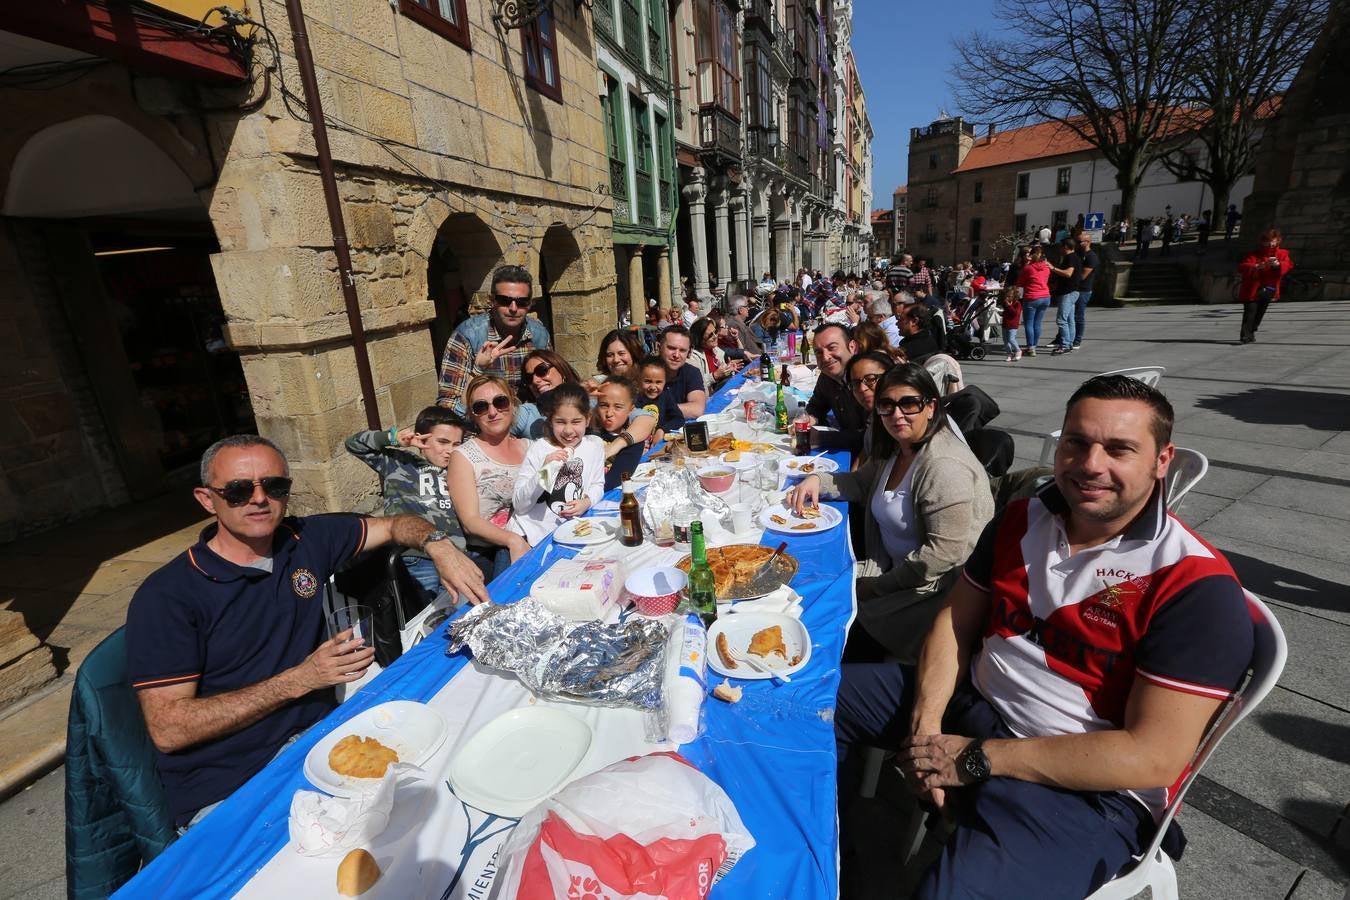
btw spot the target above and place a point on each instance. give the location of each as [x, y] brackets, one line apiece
[226, 643]
[684, 383]
[1064, 688]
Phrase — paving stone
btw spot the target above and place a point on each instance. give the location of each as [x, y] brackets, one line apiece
[1292, 756]
[1324, 463]
[1315, 886]
[1316, 666]
[1222, 481]
[117, 575]
[1196, 509]
[1319, 586]
[33, 823]
[1300, 532]
[1304, 496]
[1222, 862]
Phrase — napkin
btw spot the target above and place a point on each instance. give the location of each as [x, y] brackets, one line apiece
[326, 826]
[784, 600]
[548, 472]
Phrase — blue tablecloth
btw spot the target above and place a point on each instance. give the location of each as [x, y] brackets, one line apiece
[773, 752]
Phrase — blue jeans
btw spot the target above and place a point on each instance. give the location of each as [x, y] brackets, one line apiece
[1032, 313]
[1080, 316]
[1010, 341]
[1065, 319]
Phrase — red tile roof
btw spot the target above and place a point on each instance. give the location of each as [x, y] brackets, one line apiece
[880, 216]
[902, 189]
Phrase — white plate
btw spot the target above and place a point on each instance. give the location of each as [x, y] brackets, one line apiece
[741, 627]
[414, 731]
[829, 518]
[747, 461]
[602, 531]
[793, 465]
[718, 418]
[518, 759]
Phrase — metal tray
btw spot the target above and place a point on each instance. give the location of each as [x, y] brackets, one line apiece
[789, 571]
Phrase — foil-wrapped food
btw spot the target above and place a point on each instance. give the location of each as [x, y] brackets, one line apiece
[589, 662]
[673, 488]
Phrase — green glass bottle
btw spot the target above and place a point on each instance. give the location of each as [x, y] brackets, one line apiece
[702, 589]
[780, 415]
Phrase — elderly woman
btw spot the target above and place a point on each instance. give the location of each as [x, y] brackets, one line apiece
[706, 356]
[926, 501]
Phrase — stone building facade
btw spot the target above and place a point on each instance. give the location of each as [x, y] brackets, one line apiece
[451, 155]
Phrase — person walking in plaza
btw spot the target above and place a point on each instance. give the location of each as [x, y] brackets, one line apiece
[1034, 280]
[1261, 271]
[1066, 294]
[1230, 221]
[1169, 227]
[495, 342]
[1088, 271]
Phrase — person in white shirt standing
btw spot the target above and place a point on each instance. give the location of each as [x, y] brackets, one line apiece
[692, 311]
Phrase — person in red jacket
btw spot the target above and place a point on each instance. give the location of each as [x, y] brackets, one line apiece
[1261, 271]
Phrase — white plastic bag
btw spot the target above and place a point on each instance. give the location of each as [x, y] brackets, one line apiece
[647, 828]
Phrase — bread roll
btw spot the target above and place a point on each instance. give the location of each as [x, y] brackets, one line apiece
[357, 873]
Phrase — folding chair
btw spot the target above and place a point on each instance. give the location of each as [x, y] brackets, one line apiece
[1149, 375]
[1188, 467]
[1153, 869]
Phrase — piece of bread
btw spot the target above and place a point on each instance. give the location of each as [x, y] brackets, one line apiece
[810, 512]
[778, 520]
[805, 526]
[768, 640]
[731, 456]
[358, 757]
[357, 873]
[582, 528]
[724, 651]
[726, 692]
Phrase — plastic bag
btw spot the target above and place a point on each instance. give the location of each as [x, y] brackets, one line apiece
[647, 828]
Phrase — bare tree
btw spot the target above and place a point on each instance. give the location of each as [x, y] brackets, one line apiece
[1247, 52]
[1108, 71]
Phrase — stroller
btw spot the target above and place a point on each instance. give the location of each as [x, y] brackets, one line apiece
[965, 336]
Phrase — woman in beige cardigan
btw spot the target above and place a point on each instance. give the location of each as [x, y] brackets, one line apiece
[927, 499]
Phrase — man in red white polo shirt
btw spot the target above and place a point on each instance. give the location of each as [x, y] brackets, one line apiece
[1074, 670]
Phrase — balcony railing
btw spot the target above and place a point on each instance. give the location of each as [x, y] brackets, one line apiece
[603, 13]
[765, 144]
[759, 14]
[618, 179]
[646, 201]
[719, 131]
[800, 167]
[656, 53]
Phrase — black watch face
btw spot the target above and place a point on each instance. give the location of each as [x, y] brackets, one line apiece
[977, 764]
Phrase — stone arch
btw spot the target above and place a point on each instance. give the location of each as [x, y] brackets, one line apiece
[460, 262]
[561, 275]
[59, 174]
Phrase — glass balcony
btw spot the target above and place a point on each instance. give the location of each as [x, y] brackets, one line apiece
[719, 131]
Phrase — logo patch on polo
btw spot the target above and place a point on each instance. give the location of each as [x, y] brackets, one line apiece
[304, 583]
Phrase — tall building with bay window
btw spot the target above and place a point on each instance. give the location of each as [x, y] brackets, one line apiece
[633, 59]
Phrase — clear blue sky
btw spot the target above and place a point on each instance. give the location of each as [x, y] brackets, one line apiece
[904, 53]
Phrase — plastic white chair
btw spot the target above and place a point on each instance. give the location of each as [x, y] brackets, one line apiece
[1188, 467]
[1153, 869]
[1149, 375]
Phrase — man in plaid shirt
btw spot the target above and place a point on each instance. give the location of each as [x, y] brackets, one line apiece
[495, 342]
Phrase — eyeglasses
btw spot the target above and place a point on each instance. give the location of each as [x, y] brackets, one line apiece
[909, 404]
[501, 403]
[240, 490]
[504, 301]
[867, 381]
[540, 370]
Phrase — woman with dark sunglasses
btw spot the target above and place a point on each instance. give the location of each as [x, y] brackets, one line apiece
[542, 371]
[482, 474]
[926, 501]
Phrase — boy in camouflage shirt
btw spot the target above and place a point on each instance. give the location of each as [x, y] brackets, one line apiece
[411, 464]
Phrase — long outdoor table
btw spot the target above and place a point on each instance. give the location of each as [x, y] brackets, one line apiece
[773, 752]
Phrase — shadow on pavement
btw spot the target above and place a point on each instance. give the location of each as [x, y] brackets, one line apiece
[1269, 581]
[1326, 739]
[1322, 410]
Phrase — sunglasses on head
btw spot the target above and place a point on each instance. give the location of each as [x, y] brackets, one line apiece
[503, 300]
[240, 490]
[908, 404]
[867, 381]
[540, 370]
[501, 402]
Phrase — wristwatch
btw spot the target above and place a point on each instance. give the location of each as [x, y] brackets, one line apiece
[975, 763]
[436, 535]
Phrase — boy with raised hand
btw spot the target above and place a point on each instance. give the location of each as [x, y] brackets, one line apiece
[411, 463]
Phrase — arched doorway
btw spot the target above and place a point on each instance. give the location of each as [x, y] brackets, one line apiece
[115, 246]
[560, 273]
[459, 271]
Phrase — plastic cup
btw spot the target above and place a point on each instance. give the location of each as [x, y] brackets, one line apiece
[741, 517]
[357, 619]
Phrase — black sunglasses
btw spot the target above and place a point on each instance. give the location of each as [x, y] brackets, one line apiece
[240, 491]
[908, 404]
[503, 300]
[540, 370]
[500, 402]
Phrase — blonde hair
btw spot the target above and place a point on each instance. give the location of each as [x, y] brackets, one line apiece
[479, 381]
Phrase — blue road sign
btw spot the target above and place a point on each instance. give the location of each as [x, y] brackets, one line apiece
[1094, 221]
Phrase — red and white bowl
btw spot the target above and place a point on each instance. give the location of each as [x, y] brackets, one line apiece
[655, 590]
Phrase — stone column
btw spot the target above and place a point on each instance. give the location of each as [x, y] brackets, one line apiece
[721, 235]
[637, 300]
[796, 222]
[759, 237]
[819, 243]
[782, 246]
[662, 278]
[695, 192]
[739, 203]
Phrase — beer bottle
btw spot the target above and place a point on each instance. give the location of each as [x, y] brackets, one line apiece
[780, 415]
[630, 517]
[766, 365]
[702, 591]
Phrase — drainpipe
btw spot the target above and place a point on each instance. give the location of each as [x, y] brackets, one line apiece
[305, 60]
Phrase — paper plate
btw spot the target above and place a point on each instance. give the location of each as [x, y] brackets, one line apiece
[602, 531]
[739, 628]
[413, 730]
[518, 759]
[829, 518]
[818, 465]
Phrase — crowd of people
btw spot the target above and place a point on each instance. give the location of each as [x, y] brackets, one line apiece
[1041, 682]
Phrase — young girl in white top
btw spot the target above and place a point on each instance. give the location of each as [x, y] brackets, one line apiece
[563, 474]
